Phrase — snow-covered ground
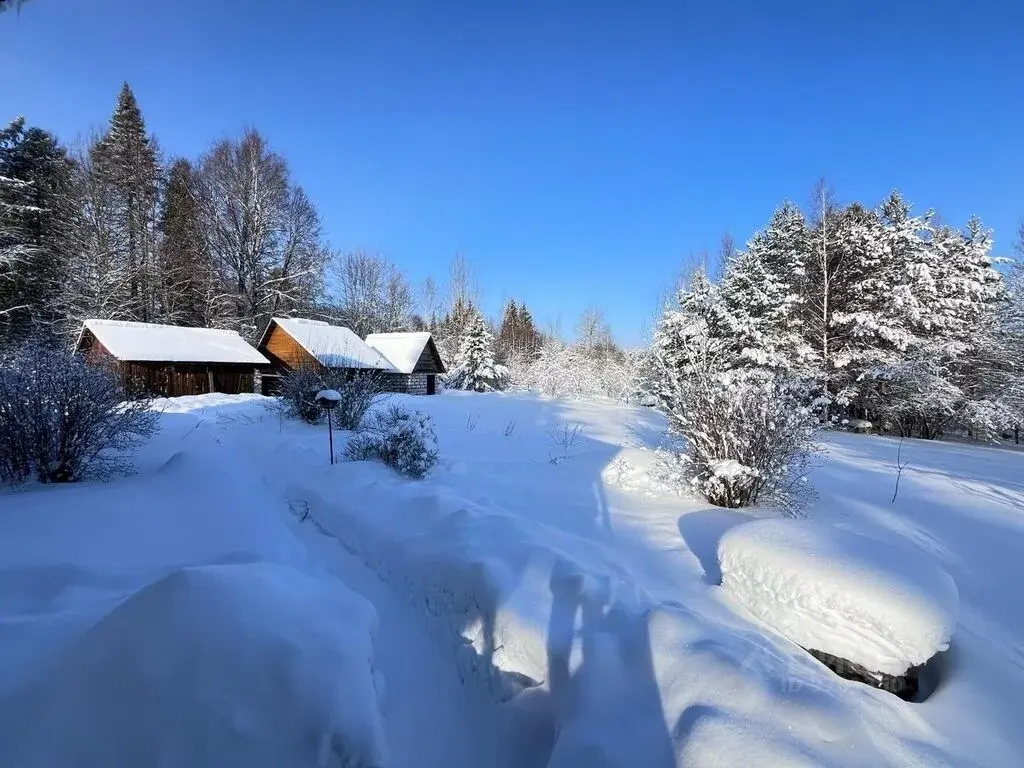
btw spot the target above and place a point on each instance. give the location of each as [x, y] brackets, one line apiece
[539, 599]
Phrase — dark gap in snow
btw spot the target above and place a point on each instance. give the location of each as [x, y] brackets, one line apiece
[904, 686]
[933, 673]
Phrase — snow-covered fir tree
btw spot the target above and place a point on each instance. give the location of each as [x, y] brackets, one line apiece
[762, 296]
[692, 335]
[476, 368]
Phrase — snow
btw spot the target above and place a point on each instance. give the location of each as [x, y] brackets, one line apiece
[527, 611]
[332, 345]
[402, 349]
[730, 469]
[882, 606]
[151, 342]
[331, 395]
[254, 664]
[858, 425]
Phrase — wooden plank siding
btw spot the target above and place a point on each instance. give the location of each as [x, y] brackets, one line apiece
[285, 352]
[170, 379]
[430, 359]
[177, 379]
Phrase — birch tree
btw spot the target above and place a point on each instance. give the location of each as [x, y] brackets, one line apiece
[262, 232]
[372, 295]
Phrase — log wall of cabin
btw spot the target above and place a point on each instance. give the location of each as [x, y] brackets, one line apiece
[283, 350]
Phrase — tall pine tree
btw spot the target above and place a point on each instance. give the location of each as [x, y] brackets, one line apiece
[124, 164]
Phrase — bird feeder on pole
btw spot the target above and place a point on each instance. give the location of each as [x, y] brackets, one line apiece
[328, 399]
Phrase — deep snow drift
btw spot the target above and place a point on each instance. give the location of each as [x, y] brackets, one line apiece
[249, 664]
[538, 600]
[887, 608]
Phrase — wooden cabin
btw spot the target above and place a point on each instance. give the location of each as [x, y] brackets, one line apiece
[291, 343]
[169, 360]
[415, 357]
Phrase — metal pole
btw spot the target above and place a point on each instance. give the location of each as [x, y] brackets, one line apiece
[330, 434]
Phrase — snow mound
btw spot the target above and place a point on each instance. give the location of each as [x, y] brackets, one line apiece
[884, 607]
[254, 664]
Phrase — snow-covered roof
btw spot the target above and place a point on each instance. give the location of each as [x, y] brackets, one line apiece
[332, 345]
[402, 349]
[152, 342]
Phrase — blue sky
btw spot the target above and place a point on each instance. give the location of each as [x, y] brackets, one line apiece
[576, 152]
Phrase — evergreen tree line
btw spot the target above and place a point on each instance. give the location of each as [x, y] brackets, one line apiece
[886, 315]
[226, 240]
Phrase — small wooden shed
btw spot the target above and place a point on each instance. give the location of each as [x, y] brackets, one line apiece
[415, 357]
[292, 342]
[169, 360]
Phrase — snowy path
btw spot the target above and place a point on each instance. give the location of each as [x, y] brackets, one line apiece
[430, 718]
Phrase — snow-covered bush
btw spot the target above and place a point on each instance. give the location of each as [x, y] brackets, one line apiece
[62, 419]
[749, 437]
[574, 372]
[300, 386]
[404, 440]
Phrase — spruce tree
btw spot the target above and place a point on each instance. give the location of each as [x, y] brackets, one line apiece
[507, 342]
[761, 293]
[188, 281]
[528, 337]
[476, 355]
[124, 162]
[38, 230]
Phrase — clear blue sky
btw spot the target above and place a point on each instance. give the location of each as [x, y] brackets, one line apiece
[575, 151]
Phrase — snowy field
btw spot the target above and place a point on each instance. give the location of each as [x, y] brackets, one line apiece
[538, 600]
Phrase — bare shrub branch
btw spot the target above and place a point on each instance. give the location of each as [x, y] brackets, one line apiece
[62, 419]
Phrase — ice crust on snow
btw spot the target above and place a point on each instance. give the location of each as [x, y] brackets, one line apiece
[885, 607]
[252, 664]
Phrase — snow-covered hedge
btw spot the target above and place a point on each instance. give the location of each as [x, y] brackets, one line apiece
[62, 419]
[300, 387]
[404, 440]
